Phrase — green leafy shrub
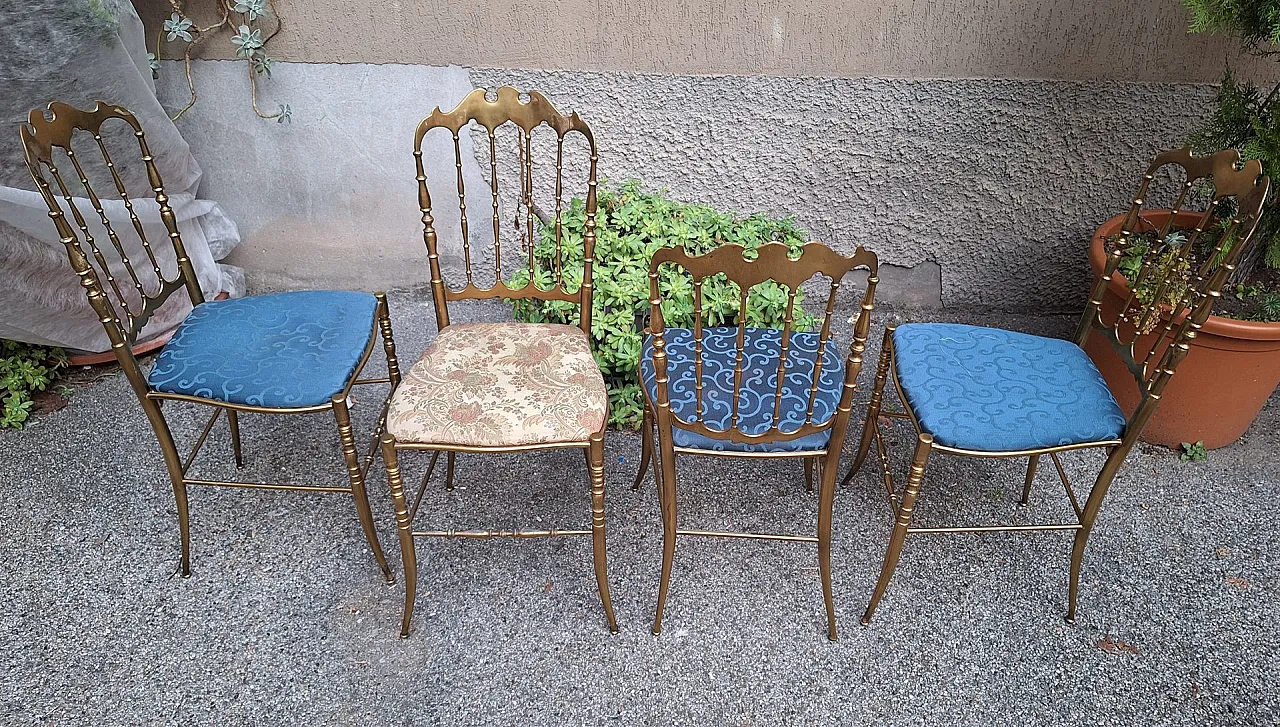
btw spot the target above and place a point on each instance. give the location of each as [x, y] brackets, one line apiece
[24, 369]
[631, 225]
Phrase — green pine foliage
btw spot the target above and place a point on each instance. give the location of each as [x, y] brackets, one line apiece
[631, 225]
[1243, 116]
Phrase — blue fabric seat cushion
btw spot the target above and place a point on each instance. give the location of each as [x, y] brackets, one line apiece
[762, 351]
[992, 390]
[281, 351]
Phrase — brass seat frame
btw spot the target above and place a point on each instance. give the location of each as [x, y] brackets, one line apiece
[1176, 326]
[508, 107]
[772, 262]
[130, 307]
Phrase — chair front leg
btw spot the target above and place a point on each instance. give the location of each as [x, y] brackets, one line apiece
[826, 496]
[905, 510]
[1031, 476]
[595, 461]
[408, 555]
[873, 410]
[361, 497]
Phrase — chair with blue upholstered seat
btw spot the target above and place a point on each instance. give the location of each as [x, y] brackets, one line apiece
[288, 353]
[985, 392]
[742, 391]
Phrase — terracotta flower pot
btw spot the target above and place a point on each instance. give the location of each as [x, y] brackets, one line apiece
[1231, 370]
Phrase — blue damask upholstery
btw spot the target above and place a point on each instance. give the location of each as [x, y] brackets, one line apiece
[763, 349]
[992, 390]
[282, 351]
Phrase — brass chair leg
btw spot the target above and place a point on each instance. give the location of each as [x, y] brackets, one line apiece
[408, 555]
[905, 510]
[233, 421]
[173, 463]
[873, 410]
[1031, 475]
[646, 447]
[667, 492]
[448, 475]
[1087, 518]
[595, 461]
[826, 496]
[808, 474]
[358, 493]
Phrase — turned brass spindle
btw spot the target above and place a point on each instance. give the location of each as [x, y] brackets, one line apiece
[462, 206]
[787, 320]
[559, 203]
[493, 189]
[93, 245]
[128, 205]
[744, 291]
[823, 337]
[697, 343]
[111, 232]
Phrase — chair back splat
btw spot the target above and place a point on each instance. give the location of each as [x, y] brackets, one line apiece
[134, 289]
[548, 280]
[1224, 196]
[746, 270]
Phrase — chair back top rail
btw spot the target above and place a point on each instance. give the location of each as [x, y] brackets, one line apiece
[771, 262]
[547, 280]
[1160, 309]
[124, 305]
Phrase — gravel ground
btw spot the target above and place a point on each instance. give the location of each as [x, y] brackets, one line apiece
[287, 620]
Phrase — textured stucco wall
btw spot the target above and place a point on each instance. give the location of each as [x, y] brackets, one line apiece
[1066, 39]
[998, 182]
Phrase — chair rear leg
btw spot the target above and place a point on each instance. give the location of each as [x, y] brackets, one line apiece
[358, 492]
[873, 410]
[903, 520]
[595, 461]
[408, 555]
[665, 469]
[826, 496]
[173, 463]
[1087, 518]
[233, 421]
[646, 447]
[808, 474]
[448, 475]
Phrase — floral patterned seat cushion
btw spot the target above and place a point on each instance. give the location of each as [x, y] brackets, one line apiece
[991, 390]
[763, 350]
[500, 385]
[281, 351]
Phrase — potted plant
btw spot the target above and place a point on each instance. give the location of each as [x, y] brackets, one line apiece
[1234, 364]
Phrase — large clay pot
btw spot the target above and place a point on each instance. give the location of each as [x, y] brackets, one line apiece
[1231, 370]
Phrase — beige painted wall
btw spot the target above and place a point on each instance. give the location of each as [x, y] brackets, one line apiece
[1142, 40]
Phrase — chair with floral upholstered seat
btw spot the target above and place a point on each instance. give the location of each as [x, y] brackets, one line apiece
[985, 392]
[507, 386]
[288, 353]
[747, 391]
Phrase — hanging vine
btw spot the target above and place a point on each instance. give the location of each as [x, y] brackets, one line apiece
[248, 18]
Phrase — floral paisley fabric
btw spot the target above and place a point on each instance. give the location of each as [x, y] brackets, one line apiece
[281, 351]
[501, 384]
[992, 390]
[762, 348]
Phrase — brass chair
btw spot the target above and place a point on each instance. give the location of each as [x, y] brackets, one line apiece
[503, 387]
[741, 391]
[289, 353]
[984, 392]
